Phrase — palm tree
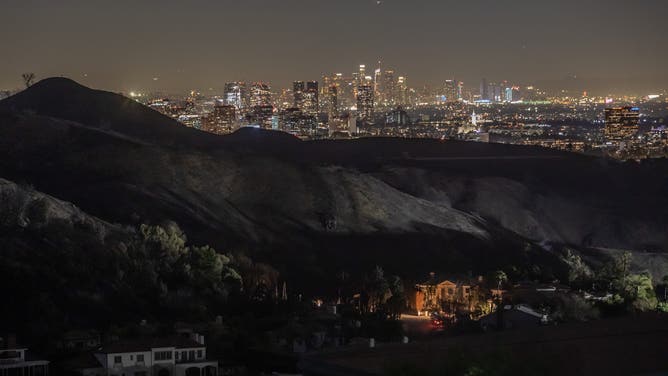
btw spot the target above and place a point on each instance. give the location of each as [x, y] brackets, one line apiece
[500, 278]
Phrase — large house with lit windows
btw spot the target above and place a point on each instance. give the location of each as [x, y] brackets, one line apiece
[433, 295]
[174, 356]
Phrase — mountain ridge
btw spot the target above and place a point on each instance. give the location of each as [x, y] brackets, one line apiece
[291, 202]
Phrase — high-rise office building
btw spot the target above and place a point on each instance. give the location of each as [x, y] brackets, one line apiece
[377, 78]
[397, 117]
[388, 89]
[333, 101]
[262, 116]
[293, 120]
[621, 123]
[365, 102]
[298, 89]
[402, 91]
[495, 92]
[311, 99]
[452, 91]
[484, 90]
[361, 75]
[236, 95]
[512, 94]
[260, 94]
[222, 120]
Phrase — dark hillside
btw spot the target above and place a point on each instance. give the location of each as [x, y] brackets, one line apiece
[65, 99]
[301, 205]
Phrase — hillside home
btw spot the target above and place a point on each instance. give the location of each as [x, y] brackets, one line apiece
[14, 362]
[174, 356]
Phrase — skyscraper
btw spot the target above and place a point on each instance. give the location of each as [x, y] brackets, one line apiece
[311, 99]
[402, 91]
[262, 116]
[484, 90]
[495, 92]
[388, 89]
[262, 110]
[621, 123]
[333, 101]
[365, 102]
[452, 91]
[293, 120]
[361, 75]
[222, 120]
[377, 78]
[298, 92]
[236, 95]
[512, 93]
[260, 94]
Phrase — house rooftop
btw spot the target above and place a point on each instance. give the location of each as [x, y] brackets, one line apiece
[81, 361]
[79, 334]
[146, 344]
[10, 345]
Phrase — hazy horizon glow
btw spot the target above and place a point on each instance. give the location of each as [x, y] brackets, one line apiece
[609, 45]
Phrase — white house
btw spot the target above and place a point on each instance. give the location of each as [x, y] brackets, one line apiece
[174, 356]
[13, 361]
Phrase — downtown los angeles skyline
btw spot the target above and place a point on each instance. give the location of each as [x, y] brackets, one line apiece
[610, 46]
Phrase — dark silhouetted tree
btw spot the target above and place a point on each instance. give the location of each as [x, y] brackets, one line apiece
[28, 79]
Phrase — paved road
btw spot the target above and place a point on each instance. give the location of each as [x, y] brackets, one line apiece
[417, 327]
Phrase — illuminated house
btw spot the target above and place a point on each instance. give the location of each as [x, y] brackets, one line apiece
[435, 295]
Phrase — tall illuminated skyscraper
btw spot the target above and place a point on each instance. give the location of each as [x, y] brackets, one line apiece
[361, 74]
[260, 94]
[365, 102]
[236, 95]
[262, 110]
[452, 91]
[298, 89]
[512, 93]
[388, 89]
[377, 77]
[496, 92]
[333, 101]
[621, 123]
[402, 91]
[484, 90]
[311, 99]
[222, 120]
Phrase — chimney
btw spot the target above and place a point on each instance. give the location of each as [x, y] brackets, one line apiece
[11, 341]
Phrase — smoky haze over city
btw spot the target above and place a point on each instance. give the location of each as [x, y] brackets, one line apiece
[333, 188]
[606, 45]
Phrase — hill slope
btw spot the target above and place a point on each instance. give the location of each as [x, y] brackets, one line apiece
[302, 205]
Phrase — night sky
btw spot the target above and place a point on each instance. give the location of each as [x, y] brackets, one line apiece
[122, 45]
